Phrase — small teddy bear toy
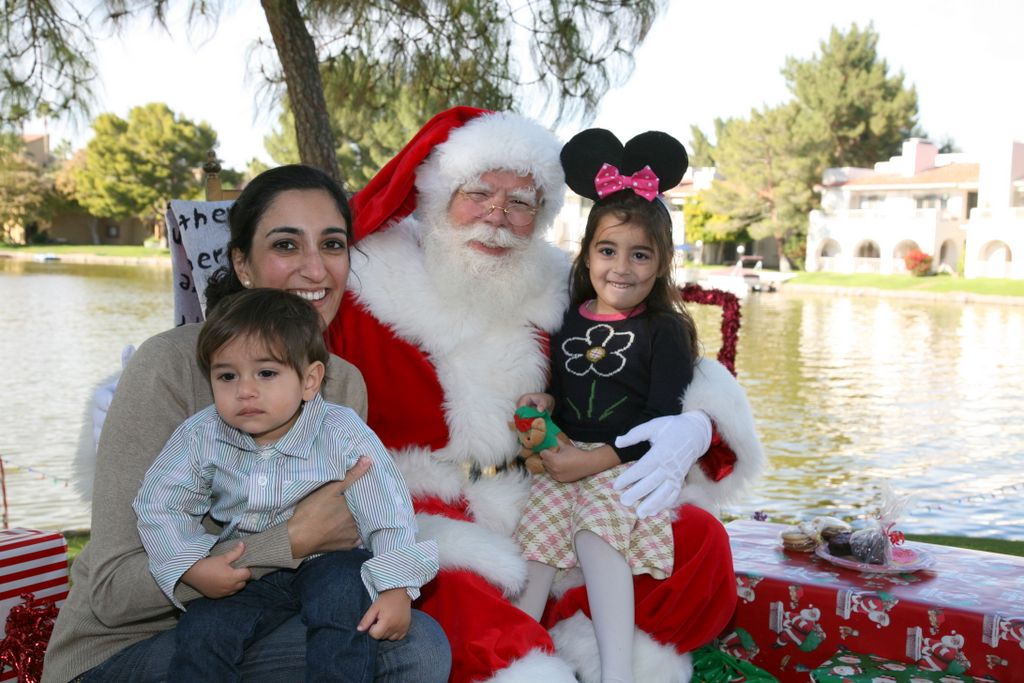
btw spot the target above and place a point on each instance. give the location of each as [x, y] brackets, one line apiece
[536, 432]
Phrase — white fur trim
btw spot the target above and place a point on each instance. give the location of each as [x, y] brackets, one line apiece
[497, 503]
[536, 667]
[465, 545]
[84, 466]
[491, 142]
[427, 476]
[652, 662]
[715, 391]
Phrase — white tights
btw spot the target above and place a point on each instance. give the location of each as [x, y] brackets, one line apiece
[609, 584]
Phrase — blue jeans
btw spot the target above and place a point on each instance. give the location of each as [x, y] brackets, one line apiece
[212, 635]
[423, 656]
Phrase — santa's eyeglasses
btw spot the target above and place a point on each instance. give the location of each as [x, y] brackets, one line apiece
[517, 212]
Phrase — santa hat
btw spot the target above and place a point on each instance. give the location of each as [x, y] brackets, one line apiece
[453, 148]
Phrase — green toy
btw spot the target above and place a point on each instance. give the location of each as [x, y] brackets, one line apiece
[536, 432]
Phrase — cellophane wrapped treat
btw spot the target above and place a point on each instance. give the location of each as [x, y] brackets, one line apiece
[873, 545]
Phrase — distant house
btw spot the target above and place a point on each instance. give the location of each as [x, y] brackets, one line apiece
[953, 207]
[76, 227]
[995, 231]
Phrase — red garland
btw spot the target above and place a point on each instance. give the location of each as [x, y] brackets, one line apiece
[28, 631]
[730, 303]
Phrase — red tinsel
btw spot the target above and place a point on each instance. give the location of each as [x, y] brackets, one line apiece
[27, 633]
[730, 303]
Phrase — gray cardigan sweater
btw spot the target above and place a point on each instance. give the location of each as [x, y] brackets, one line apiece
[114, 601]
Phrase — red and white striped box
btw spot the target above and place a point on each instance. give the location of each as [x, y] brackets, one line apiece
[33, 562]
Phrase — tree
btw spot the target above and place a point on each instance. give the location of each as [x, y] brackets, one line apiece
[134, 167]
[769, 170]
[701, 149]
[379, 117]
[702, 224]
[26, 192]
[577, 48]
[860, 112]
[45, 62]
[847, 111]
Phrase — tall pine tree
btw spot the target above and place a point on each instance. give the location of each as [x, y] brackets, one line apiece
[769, 169]
[857, 109]
[848, 110]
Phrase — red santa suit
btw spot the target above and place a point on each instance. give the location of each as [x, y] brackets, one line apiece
[443, 373]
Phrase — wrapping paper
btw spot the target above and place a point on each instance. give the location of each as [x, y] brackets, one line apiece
[964, 616]
[852, 667]
[32, 563]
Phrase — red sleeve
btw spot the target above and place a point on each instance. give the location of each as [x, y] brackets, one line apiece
[405, 397]
[719, 460]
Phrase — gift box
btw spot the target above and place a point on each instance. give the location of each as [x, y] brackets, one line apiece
[962, 616]
[853, 667]
[31, 562]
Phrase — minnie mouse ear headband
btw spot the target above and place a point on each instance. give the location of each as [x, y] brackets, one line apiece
[597, 165]
[452, 149]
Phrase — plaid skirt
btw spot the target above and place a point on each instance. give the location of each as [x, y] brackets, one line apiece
[557, 511]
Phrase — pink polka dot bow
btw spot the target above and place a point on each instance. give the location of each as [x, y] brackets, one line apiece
[643, 182]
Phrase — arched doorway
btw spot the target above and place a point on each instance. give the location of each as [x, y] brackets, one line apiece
[899, 255]
[996, 259]
[827, 253]
[949, 256]
[866, 257]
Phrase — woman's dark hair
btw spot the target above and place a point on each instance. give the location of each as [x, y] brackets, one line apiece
[288, 326]
[627, 207]
[252, 204]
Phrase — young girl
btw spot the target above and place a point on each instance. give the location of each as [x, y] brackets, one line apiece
[624, 355]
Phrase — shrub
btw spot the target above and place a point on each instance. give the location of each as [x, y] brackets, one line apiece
[918, 262]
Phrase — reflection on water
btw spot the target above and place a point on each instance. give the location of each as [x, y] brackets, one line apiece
[63, 326]
[847, 392]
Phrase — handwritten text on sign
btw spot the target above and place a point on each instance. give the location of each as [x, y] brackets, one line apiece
[198, 233]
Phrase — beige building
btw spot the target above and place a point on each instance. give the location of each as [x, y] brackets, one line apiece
[965, 212]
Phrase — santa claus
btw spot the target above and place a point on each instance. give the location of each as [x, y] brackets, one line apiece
[447, 317]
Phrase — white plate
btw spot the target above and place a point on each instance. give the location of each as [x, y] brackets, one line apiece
[906, 557]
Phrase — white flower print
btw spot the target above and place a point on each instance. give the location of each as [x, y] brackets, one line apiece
[600, 351]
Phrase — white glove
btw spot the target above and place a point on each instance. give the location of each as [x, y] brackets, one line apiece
[104, 394]
[656, 479]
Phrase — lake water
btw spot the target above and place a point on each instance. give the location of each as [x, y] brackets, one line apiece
[848, 392]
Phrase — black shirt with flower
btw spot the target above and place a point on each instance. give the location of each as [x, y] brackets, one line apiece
[610, 373]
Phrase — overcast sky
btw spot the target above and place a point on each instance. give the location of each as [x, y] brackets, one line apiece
[701, 61]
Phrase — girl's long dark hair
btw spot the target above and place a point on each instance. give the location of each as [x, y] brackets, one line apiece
[652, 216]
[248, 209]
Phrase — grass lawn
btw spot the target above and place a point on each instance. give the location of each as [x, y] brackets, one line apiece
[987, 544]
[936, 283]
[126, 251]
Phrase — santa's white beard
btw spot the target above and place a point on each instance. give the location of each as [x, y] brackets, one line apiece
[476, 279]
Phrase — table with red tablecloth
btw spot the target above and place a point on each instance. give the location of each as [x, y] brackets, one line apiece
[963, 615]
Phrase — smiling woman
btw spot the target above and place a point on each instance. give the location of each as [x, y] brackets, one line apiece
[300, 245]
[292, 233]
[289, 230]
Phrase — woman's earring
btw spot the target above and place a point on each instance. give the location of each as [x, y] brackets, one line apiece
[247, 283]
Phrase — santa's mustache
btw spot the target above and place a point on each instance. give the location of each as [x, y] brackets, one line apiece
[494, 237]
